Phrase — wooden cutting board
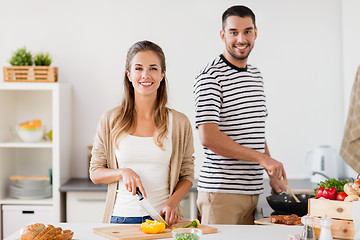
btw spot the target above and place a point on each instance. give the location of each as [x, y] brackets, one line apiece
[133, 231]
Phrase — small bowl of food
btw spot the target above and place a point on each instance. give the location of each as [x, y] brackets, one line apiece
[186, 234]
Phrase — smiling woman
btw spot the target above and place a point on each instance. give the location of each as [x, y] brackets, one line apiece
[143, 121]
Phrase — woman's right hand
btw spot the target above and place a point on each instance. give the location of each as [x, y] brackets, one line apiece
[132, 181]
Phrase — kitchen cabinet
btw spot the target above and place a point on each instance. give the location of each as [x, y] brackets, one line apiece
[21, 215]
[79, 203]
[50, 102]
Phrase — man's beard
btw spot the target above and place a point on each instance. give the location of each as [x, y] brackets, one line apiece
[241, 58]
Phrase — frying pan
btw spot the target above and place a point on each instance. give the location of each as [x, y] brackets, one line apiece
[285, 203]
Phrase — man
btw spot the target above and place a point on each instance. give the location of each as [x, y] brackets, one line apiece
[230, 117]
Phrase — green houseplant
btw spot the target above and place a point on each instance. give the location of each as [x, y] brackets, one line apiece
[21, 57]
[23, 69]
[42, 59]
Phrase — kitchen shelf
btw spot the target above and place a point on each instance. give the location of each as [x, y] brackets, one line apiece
[26, 145]
[51, 103]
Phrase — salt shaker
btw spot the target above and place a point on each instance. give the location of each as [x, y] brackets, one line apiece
[325, 233]
[308, 233]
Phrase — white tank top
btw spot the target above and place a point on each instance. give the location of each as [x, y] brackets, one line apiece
[152, 164]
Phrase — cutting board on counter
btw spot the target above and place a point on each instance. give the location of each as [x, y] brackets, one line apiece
[133, 231]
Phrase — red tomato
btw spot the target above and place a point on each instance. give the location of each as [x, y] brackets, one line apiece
[341, 196]
[358, 182]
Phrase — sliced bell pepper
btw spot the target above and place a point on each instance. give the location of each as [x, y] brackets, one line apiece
[150, 226]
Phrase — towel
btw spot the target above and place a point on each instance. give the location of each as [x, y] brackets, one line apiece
[350, 147]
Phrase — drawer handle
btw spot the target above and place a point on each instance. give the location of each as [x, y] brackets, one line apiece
[91, 200]
[28, 212]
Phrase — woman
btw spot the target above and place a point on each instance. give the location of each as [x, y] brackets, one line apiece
[143, 144]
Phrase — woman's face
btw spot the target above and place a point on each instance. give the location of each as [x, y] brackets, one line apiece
[145, 73]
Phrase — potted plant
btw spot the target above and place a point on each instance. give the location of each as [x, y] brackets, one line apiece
[23, 69]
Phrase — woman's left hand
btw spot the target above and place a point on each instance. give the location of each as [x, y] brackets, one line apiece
[169, 210]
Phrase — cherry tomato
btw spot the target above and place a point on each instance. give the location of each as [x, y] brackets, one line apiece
[341, 196]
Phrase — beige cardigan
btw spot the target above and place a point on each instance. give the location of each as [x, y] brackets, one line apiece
[350, 147]
[181, 162]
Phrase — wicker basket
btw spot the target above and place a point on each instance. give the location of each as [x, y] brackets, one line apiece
[30, 74]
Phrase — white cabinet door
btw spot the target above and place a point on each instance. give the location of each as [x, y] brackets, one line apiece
[85, 206]
[18, 216]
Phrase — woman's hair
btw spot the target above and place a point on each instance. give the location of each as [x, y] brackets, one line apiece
[125, 119]
[239, 11]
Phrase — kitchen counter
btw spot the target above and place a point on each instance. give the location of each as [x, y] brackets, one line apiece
[83, 231]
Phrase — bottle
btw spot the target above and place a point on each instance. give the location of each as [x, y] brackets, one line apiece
[325, 233]
[308, 233]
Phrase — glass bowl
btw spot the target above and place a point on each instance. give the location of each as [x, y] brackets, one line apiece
[186, 234]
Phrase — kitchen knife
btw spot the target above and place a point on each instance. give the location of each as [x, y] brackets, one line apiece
[144, 203]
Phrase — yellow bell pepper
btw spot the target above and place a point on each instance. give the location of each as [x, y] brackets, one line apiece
[195, 223]
[152, 226]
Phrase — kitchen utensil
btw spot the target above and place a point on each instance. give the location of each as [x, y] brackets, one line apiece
[324, 163]
[285, 203]
[296, 199]
[133, 231]
[186, 233]
[144, 203]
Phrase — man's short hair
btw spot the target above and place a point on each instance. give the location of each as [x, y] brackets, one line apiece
[240, 11]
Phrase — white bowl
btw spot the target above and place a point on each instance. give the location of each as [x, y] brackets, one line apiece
[186, 233]
[30, 135]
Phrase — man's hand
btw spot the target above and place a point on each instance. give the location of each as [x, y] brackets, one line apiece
[277, 185]
[274, 168]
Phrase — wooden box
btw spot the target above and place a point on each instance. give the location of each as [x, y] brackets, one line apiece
[340, 212]
[330, 208]
[30, 74]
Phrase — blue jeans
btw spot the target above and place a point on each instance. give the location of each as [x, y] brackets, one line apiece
[129, 220]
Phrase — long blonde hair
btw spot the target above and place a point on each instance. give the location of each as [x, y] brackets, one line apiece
[125, 119]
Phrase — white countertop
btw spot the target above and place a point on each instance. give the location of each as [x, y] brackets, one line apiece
[84, 231]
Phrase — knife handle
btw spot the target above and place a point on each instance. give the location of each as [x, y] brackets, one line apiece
[141, 197]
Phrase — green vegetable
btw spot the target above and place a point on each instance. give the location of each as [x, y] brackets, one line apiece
[338, 184]
[186, 236]
[195, 223]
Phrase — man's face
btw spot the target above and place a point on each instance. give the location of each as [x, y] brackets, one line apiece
[239, 35]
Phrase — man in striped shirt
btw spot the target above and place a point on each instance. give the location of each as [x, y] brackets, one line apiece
[230, 117]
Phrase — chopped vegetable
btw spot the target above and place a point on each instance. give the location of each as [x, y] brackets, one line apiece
[195, 223]
[186, 236]
[152, 226]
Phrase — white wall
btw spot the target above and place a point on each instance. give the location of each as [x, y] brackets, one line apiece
[299, 50]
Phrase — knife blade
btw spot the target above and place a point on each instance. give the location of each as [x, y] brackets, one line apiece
[144, 203]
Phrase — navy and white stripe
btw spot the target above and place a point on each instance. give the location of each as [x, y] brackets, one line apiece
[233, 98]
